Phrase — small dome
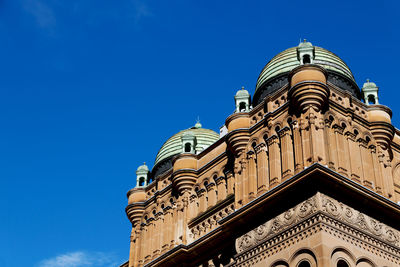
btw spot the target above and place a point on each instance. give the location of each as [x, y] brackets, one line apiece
[143, 167]
[242, 92]
[305, 44]
[174, 146]
[369, 84]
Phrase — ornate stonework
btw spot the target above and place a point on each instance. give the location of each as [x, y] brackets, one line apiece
[197, 208]
[319, 213]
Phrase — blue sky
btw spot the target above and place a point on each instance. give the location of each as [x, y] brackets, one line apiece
[91, 89]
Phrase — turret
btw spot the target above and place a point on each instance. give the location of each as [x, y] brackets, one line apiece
[305, 53]
[242, 101]
[142, 176]
[308, 87]
[380, 118]
[370, 93]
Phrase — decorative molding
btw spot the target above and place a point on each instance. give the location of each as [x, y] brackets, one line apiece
[323, 212]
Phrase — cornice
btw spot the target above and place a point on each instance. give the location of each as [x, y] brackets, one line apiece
[317, 214]
[319, 176]
[228, 200]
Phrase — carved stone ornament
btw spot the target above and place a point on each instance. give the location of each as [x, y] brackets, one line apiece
[321, 204]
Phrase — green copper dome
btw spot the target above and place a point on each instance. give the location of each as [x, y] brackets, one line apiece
[273, 76]
[200, 138]
[288, 60]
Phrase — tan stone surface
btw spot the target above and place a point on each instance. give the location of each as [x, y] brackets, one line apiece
[313, 122]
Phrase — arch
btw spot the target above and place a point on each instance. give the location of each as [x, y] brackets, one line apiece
[188, 147]
[341, 254]
[142, 181]
[304, 257]
[371, 100]
[262, 136]
[214, 176]
[342, 123]
[332, 117]
[277, 127]
[306, 59]
[364, 262]
[196, 188]
[366, 136]
[145, 217]
[356, 130]
[280, 263]
[242, 106]
[252, 141]
[204, 183]
[287, 120]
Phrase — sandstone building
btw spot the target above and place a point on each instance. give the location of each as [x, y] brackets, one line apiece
[305, 173]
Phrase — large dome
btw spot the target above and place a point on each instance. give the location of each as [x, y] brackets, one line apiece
[200, 138]
[274, 74]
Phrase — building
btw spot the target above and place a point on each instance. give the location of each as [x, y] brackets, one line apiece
[305, 173]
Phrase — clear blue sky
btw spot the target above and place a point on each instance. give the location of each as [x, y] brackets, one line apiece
[91, 89]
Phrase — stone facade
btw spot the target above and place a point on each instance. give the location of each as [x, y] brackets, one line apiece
[311, 175]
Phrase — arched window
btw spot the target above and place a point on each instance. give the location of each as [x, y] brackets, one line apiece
[342, 263]
[242, 106]
[188, 147]
[306, 59]
[141, 181]
[371, 99]
[304, 264]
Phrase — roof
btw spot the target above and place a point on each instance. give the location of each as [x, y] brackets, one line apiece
[174, 146]
[287, 60]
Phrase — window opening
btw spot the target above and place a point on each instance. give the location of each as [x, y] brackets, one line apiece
[242, 106]
[342, 263]
[188, 147]
[371, 100]
[306, 59]
[304, 264]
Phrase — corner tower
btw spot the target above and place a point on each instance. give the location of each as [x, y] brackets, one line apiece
[306, 176]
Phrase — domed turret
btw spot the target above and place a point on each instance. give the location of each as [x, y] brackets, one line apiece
[142, 175]
[192, 140]
[242, 100]
[275, 74]
[370, 93]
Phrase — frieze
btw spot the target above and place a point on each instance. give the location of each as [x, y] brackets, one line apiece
[319, 203]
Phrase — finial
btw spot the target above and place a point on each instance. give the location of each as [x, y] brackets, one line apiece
[144, 163]
[367, 80]
[305, 40]
[198, 124]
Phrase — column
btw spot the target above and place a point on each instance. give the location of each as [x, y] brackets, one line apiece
[275, 160]
[252, 180]
[287, 153]
[262, 169]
